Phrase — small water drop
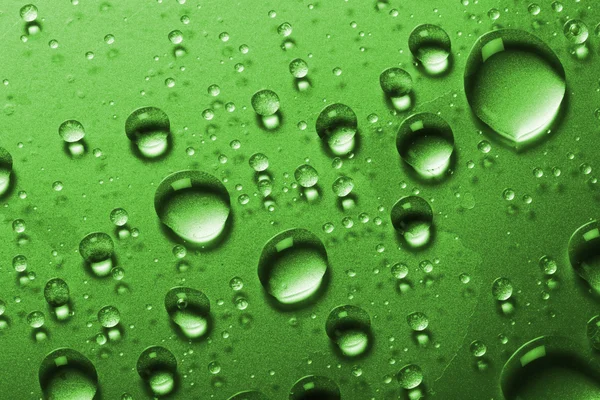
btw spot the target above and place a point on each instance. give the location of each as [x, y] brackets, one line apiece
[189, 309]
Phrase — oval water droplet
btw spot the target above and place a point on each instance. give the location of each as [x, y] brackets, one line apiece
[6, 166]
[412, 218]
[584, 253]
[266, 105]
[397, 85]
[350, 328]
[410, 376]
[293, 266]
[189, 309]
[550, 368]
[158, 368]
[195, 206]
[515, 84]
[97, 250]
[109, 316]
[71, 131]
[56, 292]
[66, 374]
[425, 141]
[337, 126]
[502, 289]
[306, 176]
[149, 128]
[430, 44]
[314, 387]
[576, 31]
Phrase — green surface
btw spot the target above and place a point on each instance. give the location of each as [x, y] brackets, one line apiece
[477, 231]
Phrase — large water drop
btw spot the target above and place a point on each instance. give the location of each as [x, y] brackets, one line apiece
[337, 125]
[584, 253]
[66, 374]
[430, 44]
[412, 218]
[314, 387]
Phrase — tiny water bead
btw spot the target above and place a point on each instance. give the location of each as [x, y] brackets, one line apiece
[97, 250]
[550, 367]
[119, 216]
[576, 31]
[315, 387]
[149, 129]
[430, 44]
[349, 327]
[6, 166]
[71, 131]
[306, 176]
[56, 292]
[109, 316]
[189, 309]
[593, 332]
[337, 126]
[292, 266]
[412, 217]
[298, 68]
[259, 162]
[29, 12]
[425, 141]
[66, 374]
[194, 205]
[502, 289]
[157, 366]
[249, 395]
[410, 376]
[417, 321]
[584, 253]
[515, 84]
[397, 85]
[342, 186]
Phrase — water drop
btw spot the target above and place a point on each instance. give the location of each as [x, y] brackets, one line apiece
[97, 250]
[502, 289]
[410, 376]
[313, 387]
[292, 266]
[306, 176]
[6, 164]
[417, 321]
[576, 31]
[36, 319]
[584, 253]
[412, 218]
[29, 13]
[593, 332]
[337, 126]
[350, 328]
[259, 162]
[548, 265]
[66, 374]
[189, 309]
[149, 128]
[194, 205]
[266, 105]
[397, 85]
[249, 395]
[56, 292]
[109, 316]
[71, 131]
[515, 84]
[430, 44]
[298, 68]
[425, 141]
[158, 368]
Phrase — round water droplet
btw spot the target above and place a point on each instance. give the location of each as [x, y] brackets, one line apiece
[259, 162]
[313, 387]
[56, 292]
[397, 85]
[285, 29]
[399, 270]
[298, 68]
[515, 84]
[176, 37]
[478, 348]
[36, 319]
[430, 44]
[149, 128]
[19, 263]
[502, 289]
[189, 309]
[412, 218]
[97, 250]
[550, 367]
[410, 376]
[306, 176]
[66, 374]
[29, 13]
[71, 131]
[119, 216]
[6, 164]
[425, 141]
[417, 321]
[292, 266]
[584, 253]
[194, 205]
[109, 316]
[350, 328]
[576, 31]
[249, 395]
[337, 125]
[343, 186]
[158, 368]
[548, 265]
[265, 102]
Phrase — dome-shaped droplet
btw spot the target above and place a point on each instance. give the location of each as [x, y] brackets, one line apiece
[292, 266]
[342, 186]
[584, 253]
[298, 68]
[66, 374]
[425, 141]
[249, 395]
[109, 316]
[259, 162]
[36, 319]
[194, 205]
[149, 128]
[119, 216]
[412, 218]
[417, 321]
[502, 289]
[337, 125]
[71, 131]
[6, 165]
[397, 85]
[97, 250]
[350, 328]
[56, 292]
[410, 376]
[515, 84]
[430, 44]
[306, 176]
[313, 387]
[29, 12]
[265, 102]
[576, 31]
[158, 368]
[189, 309]
[550, 368]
